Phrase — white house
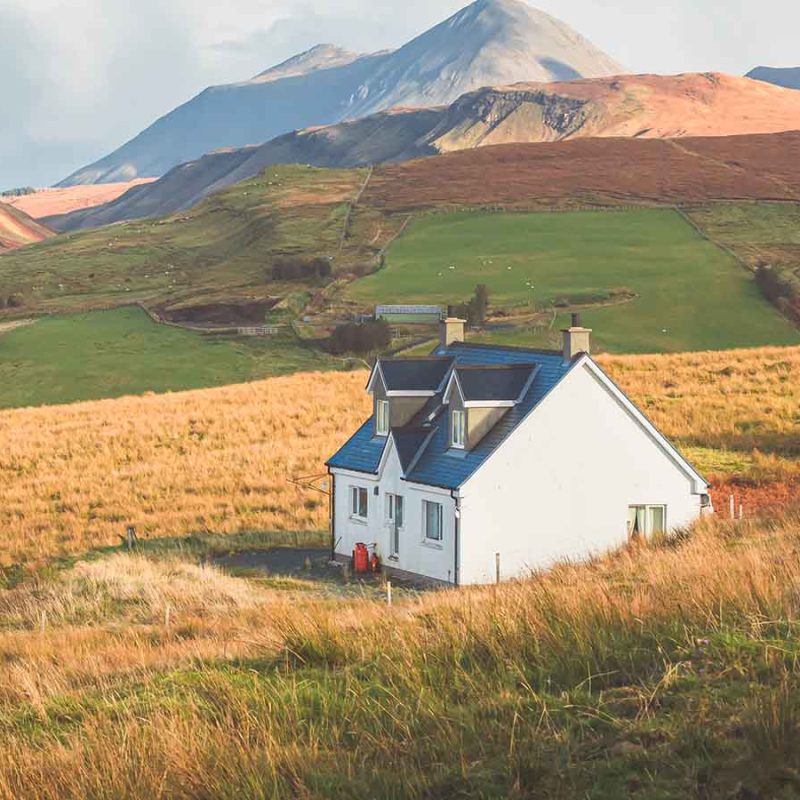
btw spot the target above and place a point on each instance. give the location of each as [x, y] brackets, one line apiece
[480, 456]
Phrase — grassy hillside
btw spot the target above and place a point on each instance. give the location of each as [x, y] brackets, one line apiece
[634, 275]
[222, 247]
[221, 459]
[663, 671]
[680, 291]
[66, 358]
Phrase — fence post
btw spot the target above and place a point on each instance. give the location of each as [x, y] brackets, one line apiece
[388, 592]
[497, 567]
[733, 507]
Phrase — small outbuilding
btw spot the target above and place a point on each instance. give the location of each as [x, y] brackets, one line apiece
[482, 458]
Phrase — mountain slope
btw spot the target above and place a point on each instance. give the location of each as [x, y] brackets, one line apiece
[788, 77]
[48, 202]
[488, 42]
[640, 106]
[18, 229]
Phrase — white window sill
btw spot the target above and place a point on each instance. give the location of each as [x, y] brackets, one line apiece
[433, 544]
[394, 558]
[359, 520]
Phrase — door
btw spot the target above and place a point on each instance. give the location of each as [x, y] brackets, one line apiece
[395, 520]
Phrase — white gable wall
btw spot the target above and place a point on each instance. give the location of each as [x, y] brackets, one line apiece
[418, 556]
[559, 487]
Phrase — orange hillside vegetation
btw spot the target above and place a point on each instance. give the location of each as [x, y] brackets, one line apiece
[18, 229]
[221, 459]
[50, 202]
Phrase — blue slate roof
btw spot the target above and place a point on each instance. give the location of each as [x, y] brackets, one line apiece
[421, 374]
[438, 464]
[497, 382]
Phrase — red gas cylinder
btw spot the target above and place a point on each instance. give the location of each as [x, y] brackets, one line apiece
[361, 558]
[375, 563]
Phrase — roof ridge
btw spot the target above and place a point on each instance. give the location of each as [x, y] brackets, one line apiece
[463, 367]
[417, 358]
[510, 347]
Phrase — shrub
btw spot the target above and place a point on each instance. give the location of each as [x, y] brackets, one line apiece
[297, 268]
[475, 310]
[364, 337]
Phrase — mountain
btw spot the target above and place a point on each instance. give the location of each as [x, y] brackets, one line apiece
[18, 229]
[788, 77]
[489, 42]
[640, 106]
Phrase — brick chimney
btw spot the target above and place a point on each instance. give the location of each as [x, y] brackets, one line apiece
[451, 329]
[577, 339]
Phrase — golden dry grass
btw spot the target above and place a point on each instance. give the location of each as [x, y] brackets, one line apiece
[735, 399]
[73, 477]
[221, 459]
[648, 639]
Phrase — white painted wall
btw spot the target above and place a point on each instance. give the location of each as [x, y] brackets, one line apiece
[559, 487]
[416, 555]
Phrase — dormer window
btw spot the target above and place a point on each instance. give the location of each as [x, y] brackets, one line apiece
[382, 417]
[458, 429]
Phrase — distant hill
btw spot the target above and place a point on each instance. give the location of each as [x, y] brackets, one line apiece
[788, 77]
[637, 106]
[486, 43]
[223, 248]
[18, 229]
[49, 202]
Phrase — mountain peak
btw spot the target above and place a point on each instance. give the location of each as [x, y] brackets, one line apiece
[488, 43]
[321, 56]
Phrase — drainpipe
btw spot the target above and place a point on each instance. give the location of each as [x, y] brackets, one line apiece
[332, 513]
[457, 539]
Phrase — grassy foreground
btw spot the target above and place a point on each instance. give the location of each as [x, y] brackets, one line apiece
[64, 359]
[663, 672]
[688, 294]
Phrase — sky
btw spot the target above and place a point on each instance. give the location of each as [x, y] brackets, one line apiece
[81, 77]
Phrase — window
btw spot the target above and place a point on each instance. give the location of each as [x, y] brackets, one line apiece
[359, 499]
[458, 436]
[394, 509]
[432, 516]
[646, 520]
[382, 418]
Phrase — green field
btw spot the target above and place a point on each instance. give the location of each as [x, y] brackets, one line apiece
[64, 359]
[689, 294]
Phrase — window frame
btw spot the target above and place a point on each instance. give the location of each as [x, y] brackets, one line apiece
[357, 494]
[391, 509]
[382, 424]
[647, 509]
[461, 415]
[428, 539]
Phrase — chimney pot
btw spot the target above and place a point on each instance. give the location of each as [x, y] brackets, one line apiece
[577, 339]
[451, 329]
